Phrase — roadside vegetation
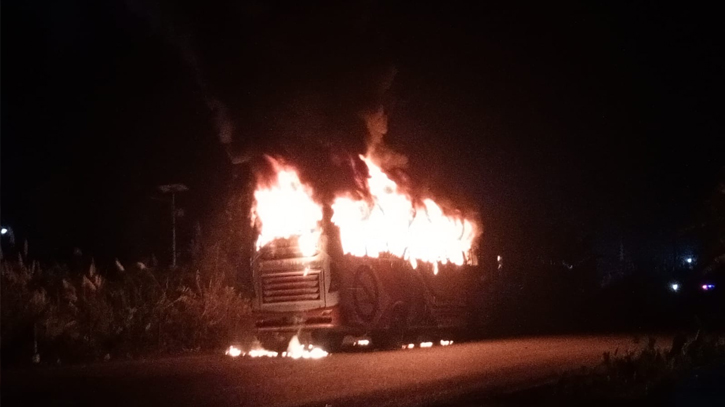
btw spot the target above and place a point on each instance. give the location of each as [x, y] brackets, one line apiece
[52, 314]
[688, 368]
[690, 371]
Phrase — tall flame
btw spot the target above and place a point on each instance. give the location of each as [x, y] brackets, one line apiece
[392, 223]
[285, 209]
[389, 222]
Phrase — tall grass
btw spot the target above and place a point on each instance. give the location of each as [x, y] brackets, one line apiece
[51, 315]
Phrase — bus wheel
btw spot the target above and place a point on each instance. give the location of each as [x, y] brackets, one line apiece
[398, 326]
[394, 337]
[329, 341]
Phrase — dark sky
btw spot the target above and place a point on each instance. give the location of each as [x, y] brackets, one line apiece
[558, 123]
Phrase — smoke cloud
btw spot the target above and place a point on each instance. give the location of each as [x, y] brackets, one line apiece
[312, 85]
[306, 83]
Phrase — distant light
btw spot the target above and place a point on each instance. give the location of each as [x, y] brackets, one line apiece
[3, 231]
[708, 287]
[446, 342]
[426, 344]
[498, 258]
[675, 287]
[689, 260]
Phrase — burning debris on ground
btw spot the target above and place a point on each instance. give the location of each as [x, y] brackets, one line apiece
[295, 350]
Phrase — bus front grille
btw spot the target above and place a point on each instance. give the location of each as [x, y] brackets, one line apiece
[290, 286]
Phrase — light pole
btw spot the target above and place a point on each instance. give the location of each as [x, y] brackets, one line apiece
[7, 232]
[173, 189]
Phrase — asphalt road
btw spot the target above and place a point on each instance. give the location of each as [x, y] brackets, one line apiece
[406, 377]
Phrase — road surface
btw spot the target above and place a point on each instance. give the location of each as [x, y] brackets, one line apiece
[406, 377]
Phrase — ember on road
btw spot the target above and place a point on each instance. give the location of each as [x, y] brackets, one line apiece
[410, 377]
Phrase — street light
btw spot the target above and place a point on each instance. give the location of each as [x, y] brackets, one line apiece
[173, 189]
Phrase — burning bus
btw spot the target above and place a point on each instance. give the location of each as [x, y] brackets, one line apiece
[378, 264]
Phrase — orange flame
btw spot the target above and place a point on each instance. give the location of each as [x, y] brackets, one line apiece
[286, 209]
[393, 224]
[390, 222]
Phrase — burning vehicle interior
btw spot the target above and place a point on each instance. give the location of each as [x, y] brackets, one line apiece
[373, 263]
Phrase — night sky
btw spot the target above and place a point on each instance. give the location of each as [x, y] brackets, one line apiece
[561, 125]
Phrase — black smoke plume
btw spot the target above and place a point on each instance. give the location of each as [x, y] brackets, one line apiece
[303, 82]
